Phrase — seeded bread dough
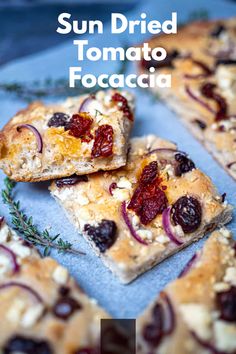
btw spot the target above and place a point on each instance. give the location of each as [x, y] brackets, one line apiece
[34, 315]
[197, 302]
[91, 202]
[63, 154]
[205, 42]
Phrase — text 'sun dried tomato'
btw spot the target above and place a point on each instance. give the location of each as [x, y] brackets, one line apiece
[124, 106]
[103, 143]
[79, 126]
[148, 199]
[208, 90]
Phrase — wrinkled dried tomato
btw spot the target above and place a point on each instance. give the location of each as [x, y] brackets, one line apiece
[208, 90]
[148, 199]
[79, 125]
[103, 143]
[123, 105]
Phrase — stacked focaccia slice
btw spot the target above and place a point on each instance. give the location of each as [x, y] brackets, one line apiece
[138, 215]
[197, 312]
[43, 310]
[80, 135]
[201, 58]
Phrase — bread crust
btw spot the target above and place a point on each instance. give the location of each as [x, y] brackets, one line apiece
[63, 154]
[193, 299]
[195, 43]
[22, 315]
[91, 202]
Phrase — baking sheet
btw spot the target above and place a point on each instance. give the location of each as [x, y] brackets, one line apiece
[122, 301]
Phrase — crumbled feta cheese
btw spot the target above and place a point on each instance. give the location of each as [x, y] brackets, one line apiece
[16, 310]
[5, 264]
[60, 275]
[31, 316]
[20, 250]
[4, 233]
[63, 194]
[226, 233]
[225, 336]
[230, 275]
[198, 318]
[83, 199]
[162, 239]
[145, 234]
[124, 183]
[121, 194]
[220, 286]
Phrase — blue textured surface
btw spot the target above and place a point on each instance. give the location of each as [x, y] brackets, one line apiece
[152, 117]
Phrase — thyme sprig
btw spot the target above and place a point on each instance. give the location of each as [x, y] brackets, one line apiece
[28, 230]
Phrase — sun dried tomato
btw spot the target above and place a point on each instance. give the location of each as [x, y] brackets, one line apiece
[123, 105]
[79, 125]
[148, 199]
[103, 143]
[208, 90]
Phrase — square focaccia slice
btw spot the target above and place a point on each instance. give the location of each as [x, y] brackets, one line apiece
[43, 310]
[201, 60]
[140, 214]
[81, 135]
[197, 312]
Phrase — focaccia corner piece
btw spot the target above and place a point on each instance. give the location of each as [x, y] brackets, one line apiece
[202, 61]
[82, 135]
[197, 312]
[43, 310]
[140, 214]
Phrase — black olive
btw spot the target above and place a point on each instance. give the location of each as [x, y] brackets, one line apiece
[103, 235]
[226, 302]
[187, 212]
[20, 344]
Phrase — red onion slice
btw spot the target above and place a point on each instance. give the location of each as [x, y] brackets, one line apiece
[35, 132]
[197, 99]
[87, 105]
[12, 257]
[166, 223]
[209, 346]
[112, 187]
[206, 71]
[169, 314]
[189, 265]
[24, 287]
[130, 226]
[1, 220]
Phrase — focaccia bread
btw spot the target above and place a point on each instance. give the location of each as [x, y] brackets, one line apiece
[80, 135]
[43, 310]
[140, 214]
[202, 61]
[197, 312]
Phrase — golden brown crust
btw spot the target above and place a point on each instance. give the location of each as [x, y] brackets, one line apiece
[91, 202]
[25, 316]
[62, 154]
[194, 42]
[193, 298]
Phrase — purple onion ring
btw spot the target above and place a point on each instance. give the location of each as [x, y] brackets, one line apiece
[189, 265]
[1, 220]
[111, 187]
[35, 132]
[167, 227]
[25, 287]
[12, 257]
[84, 107]
[130, 226]
[197, 99]
[169, 314]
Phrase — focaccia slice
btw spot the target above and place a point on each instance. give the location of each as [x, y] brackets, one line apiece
[140, 214]
[43, 310]
[197, 312]
[202, 62]
[80, 135]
